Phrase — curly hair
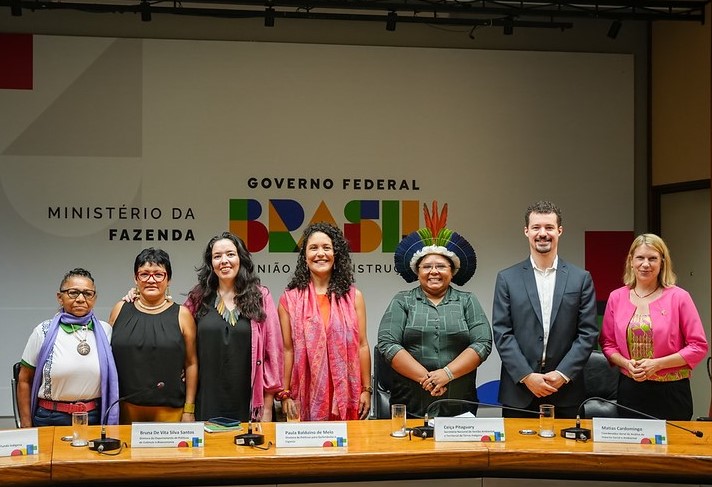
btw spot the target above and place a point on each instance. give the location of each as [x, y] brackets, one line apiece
[248, 296]
[543, 207]
[342, 276]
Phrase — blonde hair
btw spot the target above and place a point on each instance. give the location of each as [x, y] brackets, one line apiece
[666, 277]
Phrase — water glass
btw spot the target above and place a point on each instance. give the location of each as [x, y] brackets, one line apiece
[398, 426]
[546, 421]
[80, 428]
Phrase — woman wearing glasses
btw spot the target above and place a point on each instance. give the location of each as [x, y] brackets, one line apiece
[434, 336]
[72, 353]
[154, 347]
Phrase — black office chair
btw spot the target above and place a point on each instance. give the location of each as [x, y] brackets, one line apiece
[382, 380]
[709, 374]
[601, 380]
[13, 388]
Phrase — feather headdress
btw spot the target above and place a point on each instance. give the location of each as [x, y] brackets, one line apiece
[435, 238]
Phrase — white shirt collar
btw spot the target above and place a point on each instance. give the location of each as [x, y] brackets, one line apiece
[554, 266]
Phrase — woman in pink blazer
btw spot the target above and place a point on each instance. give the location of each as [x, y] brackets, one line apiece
[653, 333]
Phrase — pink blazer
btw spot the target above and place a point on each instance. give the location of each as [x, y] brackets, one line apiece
[267, 353]
[677, 326]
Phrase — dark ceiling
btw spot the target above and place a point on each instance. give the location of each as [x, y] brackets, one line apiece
[525, 13]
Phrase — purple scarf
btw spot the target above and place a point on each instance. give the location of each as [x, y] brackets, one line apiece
[107, 367]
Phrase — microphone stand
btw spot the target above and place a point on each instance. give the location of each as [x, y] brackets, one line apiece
[427, 431]
[249, 438]
[577, 432]
[108, 444]
[581, 431]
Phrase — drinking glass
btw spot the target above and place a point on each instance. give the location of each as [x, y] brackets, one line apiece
[80, 428]
[398, 427]
[546, 421]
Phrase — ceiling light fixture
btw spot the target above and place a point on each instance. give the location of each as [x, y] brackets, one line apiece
[269, 17]
[16, 8]
[508, 26]
[145, 11]
[391, 20]
[614, 29]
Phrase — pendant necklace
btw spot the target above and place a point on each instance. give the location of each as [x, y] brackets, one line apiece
[230, 316]
[645, 295]
[83, 347]
[151, 308]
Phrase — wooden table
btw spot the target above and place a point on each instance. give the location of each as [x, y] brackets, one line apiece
[30, 469]
[685, 459]
[372, 454]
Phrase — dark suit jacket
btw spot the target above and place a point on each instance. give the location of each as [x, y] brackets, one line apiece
[519, 333]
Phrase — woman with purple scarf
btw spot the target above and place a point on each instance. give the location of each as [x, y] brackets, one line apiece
[73, 355]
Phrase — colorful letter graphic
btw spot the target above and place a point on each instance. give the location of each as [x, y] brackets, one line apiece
[370, 224]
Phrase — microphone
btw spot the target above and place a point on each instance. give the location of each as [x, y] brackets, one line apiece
[108, 444]
[427, 431]
[577, 432]
[249, 438]
[697, 433]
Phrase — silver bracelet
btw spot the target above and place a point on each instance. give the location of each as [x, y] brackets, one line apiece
[449, 373]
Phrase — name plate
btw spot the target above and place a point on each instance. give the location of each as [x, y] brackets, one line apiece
[620, 430]
[469, 429]
[19, 442]
[167, 435]
[323, 434]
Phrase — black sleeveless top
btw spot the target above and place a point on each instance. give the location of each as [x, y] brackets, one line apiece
[149, 349]
[225, 358]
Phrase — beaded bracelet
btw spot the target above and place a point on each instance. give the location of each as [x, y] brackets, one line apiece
[283, 394]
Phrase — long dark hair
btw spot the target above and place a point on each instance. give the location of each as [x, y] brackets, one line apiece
[248, 296]
[341, 275]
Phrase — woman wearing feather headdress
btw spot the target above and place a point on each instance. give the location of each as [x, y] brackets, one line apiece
[434, 336]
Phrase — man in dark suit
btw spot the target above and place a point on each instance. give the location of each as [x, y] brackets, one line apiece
[544, 322]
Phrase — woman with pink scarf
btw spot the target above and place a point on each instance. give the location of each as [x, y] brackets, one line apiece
[327, 359]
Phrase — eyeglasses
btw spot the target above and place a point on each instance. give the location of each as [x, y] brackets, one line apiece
[74, 293]
[157, 276]
[437, 267]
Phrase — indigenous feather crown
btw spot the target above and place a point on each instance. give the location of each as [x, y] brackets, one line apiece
[435, 238]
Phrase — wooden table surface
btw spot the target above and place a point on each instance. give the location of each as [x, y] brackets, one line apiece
[30, 469]
[686, 458]
[371, 454]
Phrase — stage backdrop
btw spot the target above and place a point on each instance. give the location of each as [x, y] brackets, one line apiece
[113, 145]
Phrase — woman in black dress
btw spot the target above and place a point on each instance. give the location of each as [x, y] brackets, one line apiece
[153, 341]
[239, 337]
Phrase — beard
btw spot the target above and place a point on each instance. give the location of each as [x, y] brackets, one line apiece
[543, 246]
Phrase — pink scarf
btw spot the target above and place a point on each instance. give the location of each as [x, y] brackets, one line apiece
[325, 358]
